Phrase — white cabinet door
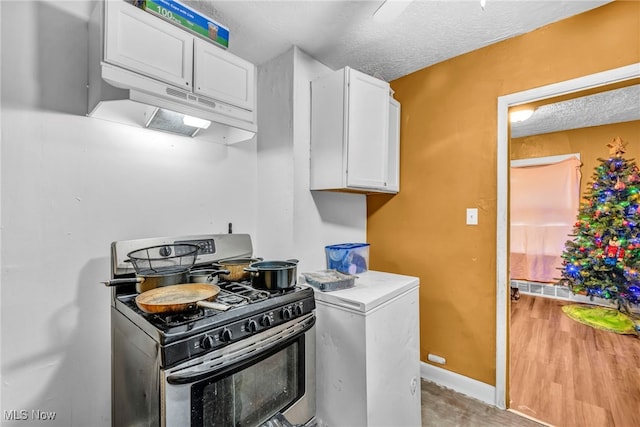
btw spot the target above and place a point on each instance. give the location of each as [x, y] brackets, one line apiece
[393, 160]
[141, 42]
[354, 134]
[220, 75]
[367, 131]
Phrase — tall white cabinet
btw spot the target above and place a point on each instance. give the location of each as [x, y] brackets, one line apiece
[355, 136]
[368, 353]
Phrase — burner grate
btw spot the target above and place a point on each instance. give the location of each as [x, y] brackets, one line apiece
[241, 293]
[235, 294]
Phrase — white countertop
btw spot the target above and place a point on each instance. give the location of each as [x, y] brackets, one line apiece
[371, 289]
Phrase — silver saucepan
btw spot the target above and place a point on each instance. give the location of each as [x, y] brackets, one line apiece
[145, 282]
[206, 275]
[161, 265]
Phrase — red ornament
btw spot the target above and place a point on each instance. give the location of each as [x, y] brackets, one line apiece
[620, 253]
[612, 248]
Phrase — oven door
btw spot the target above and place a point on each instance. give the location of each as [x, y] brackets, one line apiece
[246, 383]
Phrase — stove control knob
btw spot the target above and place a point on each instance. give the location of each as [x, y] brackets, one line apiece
[252, 326]
[207, 342]
[297, 310]
[226, 335]
[286, 313]
[265, 320]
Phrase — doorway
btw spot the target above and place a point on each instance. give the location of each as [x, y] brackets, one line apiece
[502, 225]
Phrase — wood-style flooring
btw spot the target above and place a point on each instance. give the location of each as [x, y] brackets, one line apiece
[443, 407]
[568, 374]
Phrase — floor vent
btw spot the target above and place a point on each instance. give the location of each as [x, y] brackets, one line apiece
[549, 290]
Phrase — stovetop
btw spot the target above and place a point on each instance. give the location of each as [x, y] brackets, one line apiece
[184, 335]
[243, 299]
[189, 334]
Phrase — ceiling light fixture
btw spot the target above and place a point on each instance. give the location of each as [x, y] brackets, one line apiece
[390, 10]
[483, 3]
[520, 115]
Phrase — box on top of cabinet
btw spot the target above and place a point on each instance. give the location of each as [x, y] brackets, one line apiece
[186, 17]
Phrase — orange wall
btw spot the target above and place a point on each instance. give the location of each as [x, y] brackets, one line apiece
[590, 142]
[448, 163]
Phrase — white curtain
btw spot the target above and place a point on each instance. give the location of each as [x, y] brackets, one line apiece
[544, 207]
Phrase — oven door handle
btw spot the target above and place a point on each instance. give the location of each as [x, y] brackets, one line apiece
[189, 379]
[182, 379]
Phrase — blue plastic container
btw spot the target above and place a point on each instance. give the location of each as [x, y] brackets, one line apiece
[348, 258]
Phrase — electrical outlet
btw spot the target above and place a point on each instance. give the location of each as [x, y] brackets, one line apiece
[472, 216]
[436, 359]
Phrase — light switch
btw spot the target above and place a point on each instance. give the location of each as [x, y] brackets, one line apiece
[472, 216]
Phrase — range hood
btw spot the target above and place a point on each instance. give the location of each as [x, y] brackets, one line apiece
[125, 97]
[120, 94]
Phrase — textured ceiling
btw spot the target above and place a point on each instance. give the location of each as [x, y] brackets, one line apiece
[339, 33]
[613, 106]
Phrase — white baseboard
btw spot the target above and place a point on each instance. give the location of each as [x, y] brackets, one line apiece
[465, 385]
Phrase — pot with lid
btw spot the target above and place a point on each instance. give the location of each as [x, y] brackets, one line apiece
[273, 275]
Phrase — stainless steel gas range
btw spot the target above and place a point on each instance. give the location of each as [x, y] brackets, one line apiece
[250, 365]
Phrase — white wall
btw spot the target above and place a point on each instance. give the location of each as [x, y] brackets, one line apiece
[294, 222]
[70, 186]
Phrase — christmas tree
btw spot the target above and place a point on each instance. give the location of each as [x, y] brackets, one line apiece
[603, 259]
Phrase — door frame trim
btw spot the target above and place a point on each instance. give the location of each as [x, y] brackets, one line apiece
[502, 230]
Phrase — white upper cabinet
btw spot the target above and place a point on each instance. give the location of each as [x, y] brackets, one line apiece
[393, 164]
[367, 126]
[221, 75]
[354, 133]
[143, 43]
